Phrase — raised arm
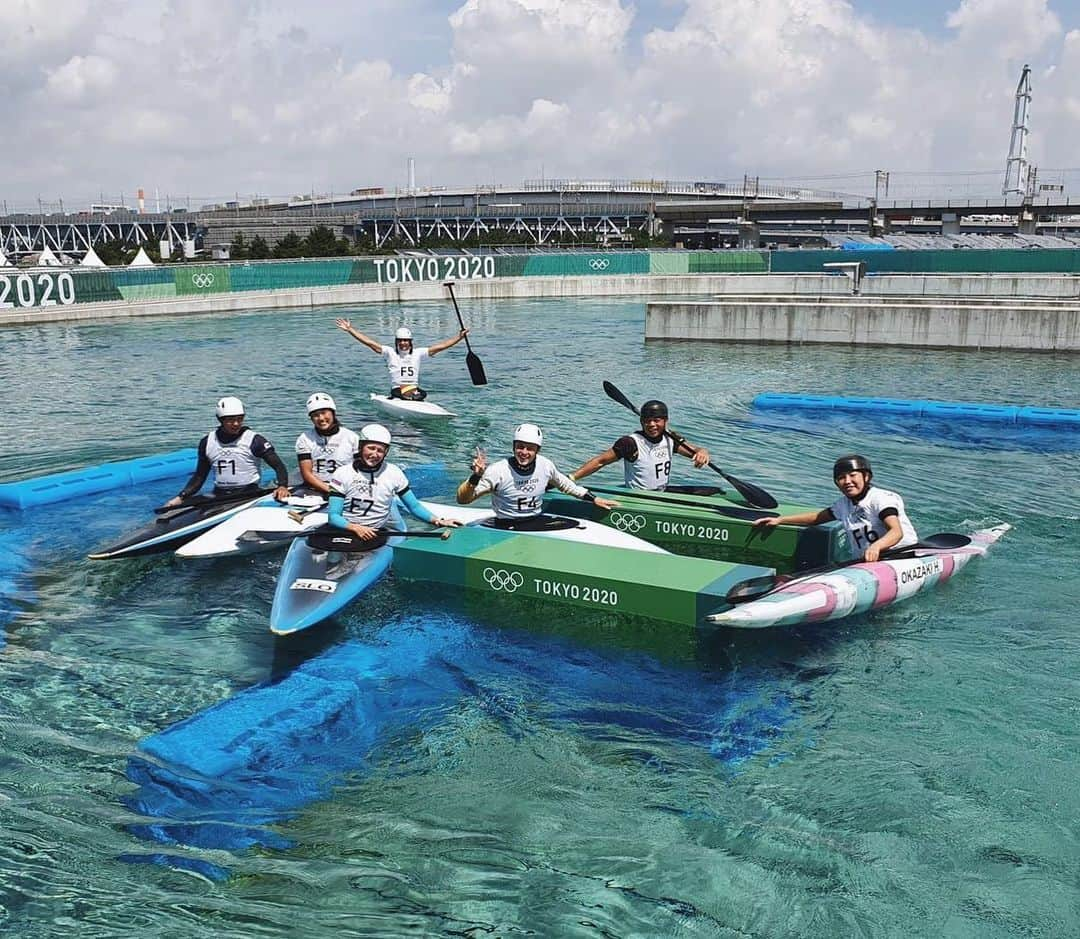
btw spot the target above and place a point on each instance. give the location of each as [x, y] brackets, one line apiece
[346, 325]
[447, 343]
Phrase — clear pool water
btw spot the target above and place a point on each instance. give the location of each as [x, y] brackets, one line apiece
[511, 770]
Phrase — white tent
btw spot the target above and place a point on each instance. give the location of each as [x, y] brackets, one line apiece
[48, 259]
[90, 259]
[141, 260]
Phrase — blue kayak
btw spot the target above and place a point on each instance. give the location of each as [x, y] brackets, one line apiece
[316, 582]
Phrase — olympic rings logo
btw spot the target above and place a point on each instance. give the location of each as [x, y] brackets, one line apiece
[203, 279]
[599, 264]
[631, 524]
[498, 579]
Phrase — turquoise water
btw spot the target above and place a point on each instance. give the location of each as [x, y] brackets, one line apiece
[508, 770]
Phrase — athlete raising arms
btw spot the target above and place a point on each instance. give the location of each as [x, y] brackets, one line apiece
[402, 360]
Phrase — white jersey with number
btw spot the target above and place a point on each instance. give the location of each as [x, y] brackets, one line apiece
[404, 369]
[652, 467]
[328, 453]
[862, 520]
[369, 496]
[517, 494]
[234, 464]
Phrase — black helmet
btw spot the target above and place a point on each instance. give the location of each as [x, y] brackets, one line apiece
[654, 409]
[851, 463]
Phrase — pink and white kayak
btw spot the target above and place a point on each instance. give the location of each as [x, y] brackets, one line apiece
[830, 595]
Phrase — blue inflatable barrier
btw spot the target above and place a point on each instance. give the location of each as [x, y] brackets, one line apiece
[1062, 418]
[228, 776]
[57, 487]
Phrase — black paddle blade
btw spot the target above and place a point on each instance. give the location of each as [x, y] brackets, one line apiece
[612, 392]
[755, 495]
[476, 368]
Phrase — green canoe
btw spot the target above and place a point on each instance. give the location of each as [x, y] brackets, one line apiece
[711, 527]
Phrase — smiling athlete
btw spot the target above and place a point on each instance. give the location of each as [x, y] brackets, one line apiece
[517, 484]
[233, 453]
[647, 454]
[362, 493]
[874, 519]
[402, 360]
[327, 446]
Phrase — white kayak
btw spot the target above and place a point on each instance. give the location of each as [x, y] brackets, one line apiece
[418, 410]
[575, 529]
[235, 536]
[856, 588]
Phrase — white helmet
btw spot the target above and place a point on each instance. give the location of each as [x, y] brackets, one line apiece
[230, 407]
[403, 333]
[529, 433]
[320, 400]
[374, 433]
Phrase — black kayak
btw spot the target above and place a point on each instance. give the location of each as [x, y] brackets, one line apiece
[177, 526]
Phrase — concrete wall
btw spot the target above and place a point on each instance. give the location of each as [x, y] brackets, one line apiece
[760, 302]
[953, 323]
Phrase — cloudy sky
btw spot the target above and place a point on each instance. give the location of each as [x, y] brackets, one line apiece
[207, 98]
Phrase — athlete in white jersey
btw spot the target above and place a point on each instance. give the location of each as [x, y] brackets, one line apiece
[518, 483]
[362, 493]
[874, 519]
[402, 360]
[327, 446]
[233, 453]
[647, 454]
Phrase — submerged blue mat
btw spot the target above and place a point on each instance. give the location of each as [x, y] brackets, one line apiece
[224, 778]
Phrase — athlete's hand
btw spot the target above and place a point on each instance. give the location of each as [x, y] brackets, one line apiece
[768, 521]
[479, 461]
[446, 523]
[343, 323]
[871, 554]
[463, 332]
[363, 532]
[606, 504]
[701, 458]
[174, 501]
[281, 493]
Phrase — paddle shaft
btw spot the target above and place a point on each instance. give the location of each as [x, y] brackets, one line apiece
[755, 495]
[650, 496]
[327, 530]
[170, 511]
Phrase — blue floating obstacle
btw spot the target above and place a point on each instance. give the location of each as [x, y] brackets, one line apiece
[58, 487]
[1052, 418]
[228, 777]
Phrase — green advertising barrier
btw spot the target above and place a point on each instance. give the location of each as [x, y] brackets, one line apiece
[203, 279]
[55, 287]
[956, 261]
[729, 262]
[584, 265]
[669, 262]
[271, 276]
[145, 283]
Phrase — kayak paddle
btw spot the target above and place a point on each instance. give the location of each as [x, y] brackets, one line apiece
[755, 495]
[322, 537]
[472, 360]
[754, 588]
[649, 496]
[164, 512]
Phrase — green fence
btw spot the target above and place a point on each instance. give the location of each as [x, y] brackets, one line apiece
[41, 288]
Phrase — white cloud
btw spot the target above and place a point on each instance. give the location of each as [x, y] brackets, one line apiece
[261, 95]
